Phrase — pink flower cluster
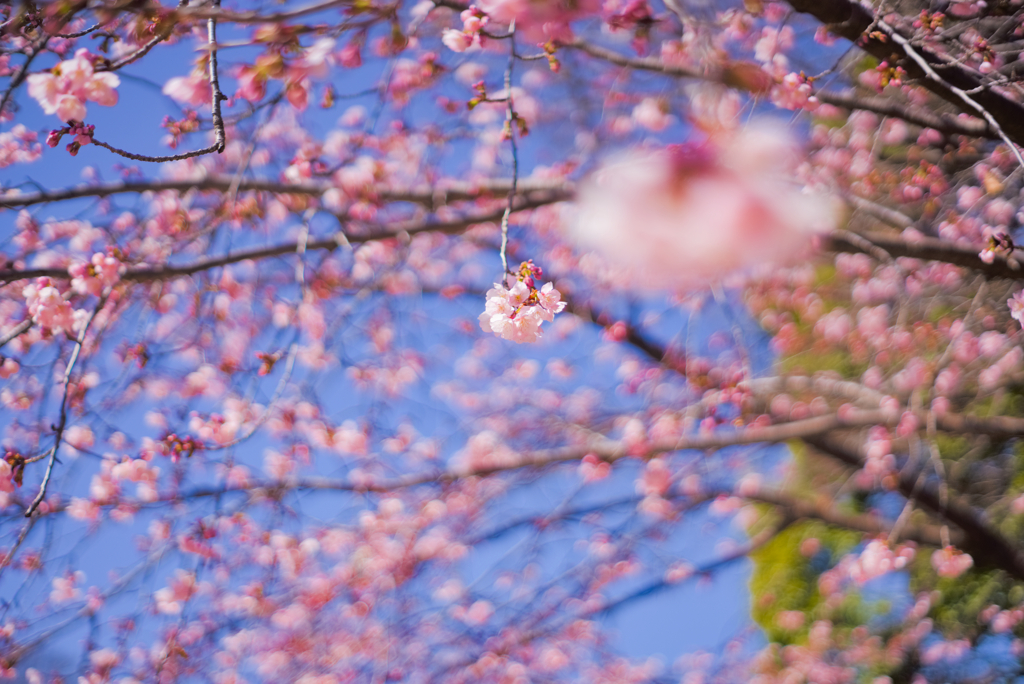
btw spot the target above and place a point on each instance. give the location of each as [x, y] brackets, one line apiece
[65, 89]
[81, 133]
[473, 22]
[515, 309]
[314, 62]
[47, 306]
[875, 560]
[999, 244]
[96, 275]
[948, 562]
[193, 89]
[540, 21]
[794, 92]
[18, 146]
[1016, 304]
[878, 559]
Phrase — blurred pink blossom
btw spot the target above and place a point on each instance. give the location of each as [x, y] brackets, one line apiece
[193, 89]
[693, 213]
[65, 89]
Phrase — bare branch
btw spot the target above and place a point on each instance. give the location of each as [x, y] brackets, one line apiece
[851, 20]
[384, 232]
[431, 196]
[15, 332]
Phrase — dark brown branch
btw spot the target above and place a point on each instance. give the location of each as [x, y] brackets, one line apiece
[609, 451]
[929, 249]
[640, 63]
[851, 20]
[949, 125]
[985, 544]
[801, 508]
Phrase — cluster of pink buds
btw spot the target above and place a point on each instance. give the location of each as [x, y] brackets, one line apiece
[178, 446]
[189, 124]
[516, 308]
[635, 15]
[473, 22]
[890, 75]
[267, 362]
[1001, 244]
[81, 132]
[930, 21]
[794, 91]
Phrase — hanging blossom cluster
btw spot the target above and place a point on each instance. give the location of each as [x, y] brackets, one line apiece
[516, 308]
[65, 89]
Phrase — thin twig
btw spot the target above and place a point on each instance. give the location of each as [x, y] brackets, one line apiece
[293, 348]
[961, 93]
[19, 77]
[19, 329]
[62, 422]
[247, 157]
[220, 135]
[255, 17]
[17, 545]
[78, 34]
[510, 120]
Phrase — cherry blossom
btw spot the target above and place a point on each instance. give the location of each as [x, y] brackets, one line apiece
[18, 146]
[193, 89]
[948, 562]
[654, 211]
[48, 307]
[516, 309]
[285, 451]
[92, 278]
[66, 88]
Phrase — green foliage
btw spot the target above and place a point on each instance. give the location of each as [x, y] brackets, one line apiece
[958, 601]
[809, 363]
[783, 579]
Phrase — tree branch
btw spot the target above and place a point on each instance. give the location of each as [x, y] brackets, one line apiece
[850, 20]
[928, 249]
[220, 135]
[150, 273]
[430, 196]
[985, 544]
